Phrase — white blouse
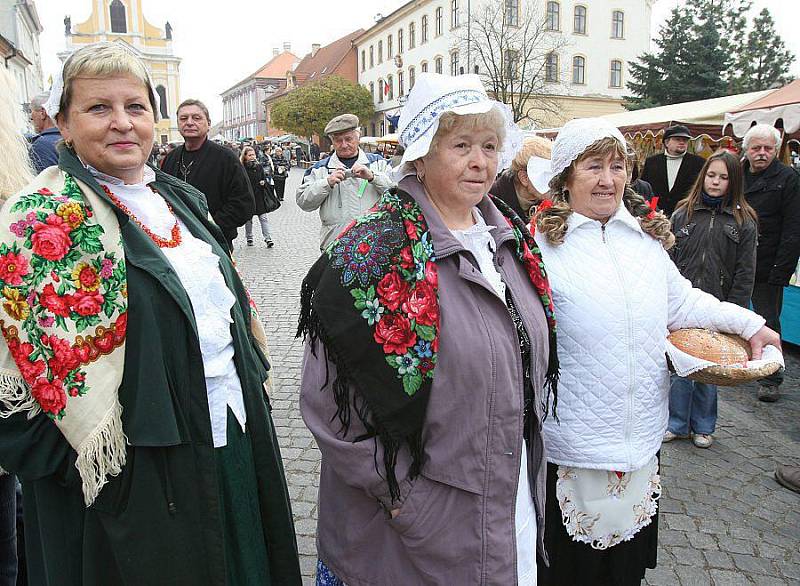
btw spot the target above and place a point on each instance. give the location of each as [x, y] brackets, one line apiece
[478, 240]
[198, 270]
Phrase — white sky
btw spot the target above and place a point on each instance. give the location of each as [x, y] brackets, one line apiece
[222, 43]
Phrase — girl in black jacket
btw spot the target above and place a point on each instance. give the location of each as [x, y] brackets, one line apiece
[715, 248]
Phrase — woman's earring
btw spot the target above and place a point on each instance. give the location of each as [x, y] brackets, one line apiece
[68, 143]
[420, 175]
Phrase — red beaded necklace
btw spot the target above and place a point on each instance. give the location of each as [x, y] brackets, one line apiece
[174, 241]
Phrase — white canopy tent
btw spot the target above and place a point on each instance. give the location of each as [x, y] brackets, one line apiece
[782, 104]
[702, 112]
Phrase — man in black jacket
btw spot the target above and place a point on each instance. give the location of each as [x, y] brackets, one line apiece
[212, 169]
[672, 173]
[773, 189]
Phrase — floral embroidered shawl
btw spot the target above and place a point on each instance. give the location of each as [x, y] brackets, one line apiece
[372, 300]
[63, 291]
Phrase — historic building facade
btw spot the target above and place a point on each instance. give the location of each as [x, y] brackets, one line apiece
[19, 47]
[243, 115]
[336, 58]
[584, 75]
[123, 21]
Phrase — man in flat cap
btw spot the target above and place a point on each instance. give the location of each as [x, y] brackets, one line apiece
[346, 184]
[673, 172]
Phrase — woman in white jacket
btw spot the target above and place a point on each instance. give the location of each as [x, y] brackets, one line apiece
[616, 294]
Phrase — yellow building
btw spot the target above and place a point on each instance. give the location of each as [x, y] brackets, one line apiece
[123, 21]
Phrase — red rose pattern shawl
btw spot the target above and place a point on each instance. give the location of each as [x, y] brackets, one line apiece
[63, 291]
[372, 300]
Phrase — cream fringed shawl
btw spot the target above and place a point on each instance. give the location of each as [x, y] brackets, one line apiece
[63, 291]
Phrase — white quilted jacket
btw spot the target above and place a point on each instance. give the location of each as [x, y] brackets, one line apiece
[617, 294]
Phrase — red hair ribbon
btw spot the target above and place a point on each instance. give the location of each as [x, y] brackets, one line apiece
[653, 203]
[545, 204]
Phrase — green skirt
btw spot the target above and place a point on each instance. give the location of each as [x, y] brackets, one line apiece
[246, 558]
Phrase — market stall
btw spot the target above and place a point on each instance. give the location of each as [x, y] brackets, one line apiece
[645, 128]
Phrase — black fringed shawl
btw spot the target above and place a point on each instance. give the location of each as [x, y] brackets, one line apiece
[371, 299]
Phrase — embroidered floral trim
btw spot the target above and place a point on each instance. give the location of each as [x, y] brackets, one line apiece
[531, 257]
[395, 293]
[587, 526]
[425, 119]
[56, 283]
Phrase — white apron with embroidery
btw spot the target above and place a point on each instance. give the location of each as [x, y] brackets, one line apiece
[604, 508]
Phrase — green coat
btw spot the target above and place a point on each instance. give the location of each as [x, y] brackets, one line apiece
[169, 517]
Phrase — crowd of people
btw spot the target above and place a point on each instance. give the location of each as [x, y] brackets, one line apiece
[485, 335]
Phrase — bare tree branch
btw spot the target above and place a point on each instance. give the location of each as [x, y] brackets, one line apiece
[512, 56]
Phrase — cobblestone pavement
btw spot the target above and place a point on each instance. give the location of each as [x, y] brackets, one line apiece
[724, 519]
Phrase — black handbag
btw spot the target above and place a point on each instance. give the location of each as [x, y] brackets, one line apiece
[271, 200]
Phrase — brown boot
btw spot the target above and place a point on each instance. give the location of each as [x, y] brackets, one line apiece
[789, 476]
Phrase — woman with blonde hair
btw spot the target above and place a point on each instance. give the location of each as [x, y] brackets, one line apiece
[616, 294]
[132, 402]
[523, 185]
[15, 172]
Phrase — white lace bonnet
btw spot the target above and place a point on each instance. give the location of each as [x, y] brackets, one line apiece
[53, 103]
[434, 94]
[572, 140]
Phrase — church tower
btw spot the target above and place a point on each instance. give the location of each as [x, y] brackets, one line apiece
[122, 21]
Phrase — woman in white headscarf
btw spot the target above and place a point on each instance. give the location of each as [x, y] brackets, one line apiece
[616, 294]
[432, 479]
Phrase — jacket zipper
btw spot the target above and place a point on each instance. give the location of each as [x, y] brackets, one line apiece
[521, 434]
[629, 336]
[710, 229]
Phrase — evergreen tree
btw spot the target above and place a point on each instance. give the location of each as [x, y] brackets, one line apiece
[700, 76]
[765, 60]
[730, 17]
[657, 77]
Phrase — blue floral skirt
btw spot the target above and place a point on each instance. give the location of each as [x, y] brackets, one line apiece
[325, 577]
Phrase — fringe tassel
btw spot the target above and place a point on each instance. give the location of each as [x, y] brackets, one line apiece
[551, 379]
[15, 396]
[102, 454]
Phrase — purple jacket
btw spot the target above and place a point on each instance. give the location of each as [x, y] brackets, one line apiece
[456, 521]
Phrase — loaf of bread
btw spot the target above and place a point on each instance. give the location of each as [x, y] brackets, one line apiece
[722, 349]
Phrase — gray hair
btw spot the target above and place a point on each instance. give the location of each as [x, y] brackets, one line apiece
[38, 101]
[762, 131]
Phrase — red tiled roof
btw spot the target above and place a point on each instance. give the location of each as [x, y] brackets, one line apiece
[323, 63]
[275, 68]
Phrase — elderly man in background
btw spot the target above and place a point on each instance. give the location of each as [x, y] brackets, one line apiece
[672, 173]
[773, 190]
[212, 169]
[43, 147]
[346, 184]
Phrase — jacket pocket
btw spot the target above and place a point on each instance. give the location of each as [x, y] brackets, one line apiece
[733, 233]
[439, 523]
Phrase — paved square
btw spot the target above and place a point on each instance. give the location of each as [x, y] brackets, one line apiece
[724, 519]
